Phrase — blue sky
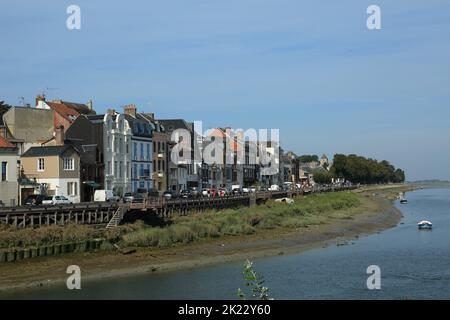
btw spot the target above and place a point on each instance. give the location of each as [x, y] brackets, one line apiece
[310, 68]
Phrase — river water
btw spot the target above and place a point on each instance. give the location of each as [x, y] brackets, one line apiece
[414, 265]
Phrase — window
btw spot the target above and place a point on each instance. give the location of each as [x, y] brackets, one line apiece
[120, 169]
[71, 188]
[115, 167]
[4, 170]
[134, 150]
[109, 167]
[148, 151]
[154, 145]
[142, 150]
[135, 173]
[159, 146]
[68, 164]
[40, 164]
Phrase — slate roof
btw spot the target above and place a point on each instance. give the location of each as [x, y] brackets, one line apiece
[172, 124]
[47, 151]
[140, 126]
[94, 117]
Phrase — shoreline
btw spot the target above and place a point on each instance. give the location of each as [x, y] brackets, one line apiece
[50, 271]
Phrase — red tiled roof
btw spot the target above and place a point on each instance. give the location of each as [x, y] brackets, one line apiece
[5, 143]
[216, 132]
[63, 110]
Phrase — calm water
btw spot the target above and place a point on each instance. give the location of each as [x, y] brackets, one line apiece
[414, 264]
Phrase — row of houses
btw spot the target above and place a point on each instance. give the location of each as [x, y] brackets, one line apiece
[64, 148]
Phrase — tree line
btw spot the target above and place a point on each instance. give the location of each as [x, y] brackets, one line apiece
[358, 169]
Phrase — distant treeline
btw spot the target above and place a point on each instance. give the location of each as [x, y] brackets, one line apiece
[358, 169]
[308, 158]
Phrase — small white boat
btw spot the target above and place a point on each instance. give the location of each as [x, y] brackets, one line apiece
[424, 224]
[401, 197]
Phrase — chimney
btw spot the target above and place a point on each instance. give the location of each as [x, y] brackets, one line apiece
[89, 104]
[39, 98]
[130, 110]
[150, 115]
[59, 135]
[111, 112]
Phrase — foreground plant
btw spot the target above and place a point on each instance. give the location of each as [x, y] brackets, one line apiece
[255, 282]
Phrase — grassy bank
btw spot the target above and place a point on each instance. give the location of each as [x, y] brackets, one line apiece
[304, 212]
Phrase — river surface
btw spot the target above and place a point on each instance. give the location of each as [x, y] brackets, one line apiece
[414, 265]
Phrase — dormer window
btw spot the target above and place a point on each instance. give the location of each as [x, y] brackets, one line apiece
[68, 164]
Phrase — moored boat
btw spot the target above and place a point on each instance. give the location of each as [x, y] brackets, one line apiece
[402, 198]
[424, 224]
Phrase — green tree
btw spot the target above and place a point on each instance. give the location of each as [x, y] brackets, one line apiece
[308, 158]
[322, 176]
[4, 107]
[358, 169]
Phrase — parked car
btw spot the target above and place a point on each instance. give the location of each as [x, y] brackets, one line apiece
[34, 199]
[170, 194]
[186, 194]
[236, 191]
[128, 197]
[195, 192]
[52, 200]
[222, 192]
[138, 197]
[153, 193]
[105, 196]
[274, 187]
[206, 193]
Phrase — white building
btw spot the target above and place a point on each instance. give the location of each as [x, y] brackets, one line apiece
[127, 141]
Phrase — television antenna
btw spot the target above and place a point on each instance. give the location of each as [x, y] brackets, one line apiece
[22, 100]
